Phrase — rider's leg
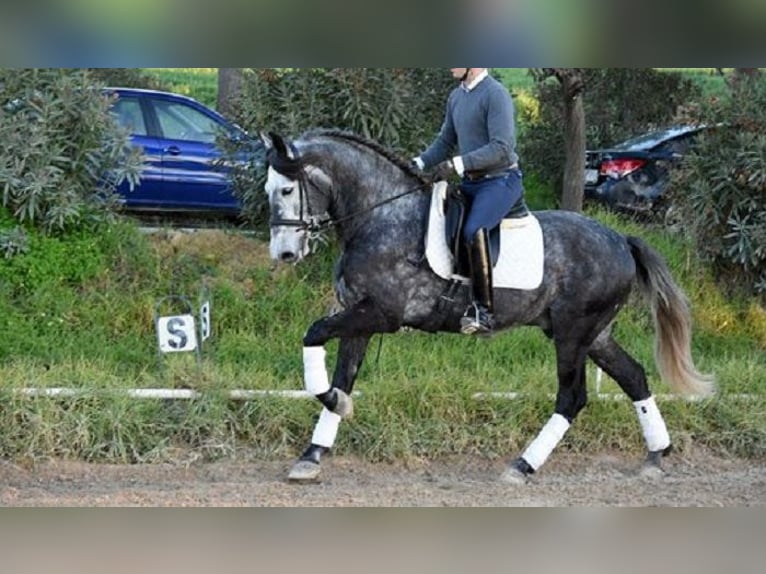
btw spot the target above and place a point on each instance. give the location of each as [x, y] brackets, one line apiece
[478, 317]
[490, 201]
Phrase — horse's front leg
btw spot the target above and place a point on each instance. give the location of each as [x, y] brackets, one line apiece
[351, 353]
[354, 327]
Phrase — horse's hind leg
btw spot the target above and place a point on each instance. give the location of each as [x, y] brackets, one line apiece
[570, 399]
[631, 378]
[351, 353]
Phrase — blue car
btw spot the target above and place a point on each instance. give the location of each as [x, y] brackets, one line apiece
[182, 170]
[632, 176]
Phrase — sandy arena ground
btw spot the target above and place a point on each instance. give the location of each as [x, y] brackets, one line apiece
[606, 480]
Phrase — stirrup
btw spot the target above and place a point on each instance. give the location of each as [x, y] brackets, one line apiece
[476, 320]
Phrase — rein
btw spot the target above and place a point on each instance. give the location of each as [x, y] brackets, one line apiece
[333, 222]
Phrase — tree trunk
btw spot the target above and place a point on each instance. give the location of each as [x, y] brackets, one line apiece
[574, 136]
[574, 142]
[739, 77]
[229, 87]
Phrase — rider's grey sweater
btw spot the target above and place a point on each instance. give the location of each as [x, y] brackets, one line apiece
[479, 125]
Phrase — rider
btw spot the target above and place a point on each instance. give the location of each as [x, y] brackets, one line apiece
[479, 126]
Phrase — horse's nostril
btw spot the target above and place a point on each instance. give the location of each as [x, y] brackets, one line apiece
[287, 256]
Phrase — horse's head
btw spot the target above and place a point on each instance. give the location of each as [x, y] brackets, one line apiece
[298, 199]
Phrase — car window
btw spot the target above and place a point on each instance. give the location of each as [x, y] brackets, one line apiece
[128, 113]
[182, 122]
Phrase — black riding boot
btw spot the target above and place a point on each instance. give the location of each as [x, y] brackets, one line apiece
[478, 316]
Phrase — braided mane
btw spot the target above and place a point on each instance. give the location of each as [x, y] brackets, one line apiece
[390, 155]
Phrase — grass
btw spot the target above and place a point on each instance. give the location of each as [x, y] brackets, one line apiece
[517, 79]
[709, 79]
[199, 83]
[417, 389]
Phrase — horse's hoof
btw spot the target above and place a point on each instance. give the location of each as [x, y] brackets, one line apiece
[304, 471]
[652, 468]
[513, 475]
[344, 408]
[651, 471]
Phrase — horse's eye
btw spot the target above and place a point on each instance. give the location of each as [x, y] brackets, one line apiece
[287, 191]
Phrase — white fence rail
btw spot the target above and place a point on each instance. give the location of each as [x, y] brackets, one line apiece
[245, 395]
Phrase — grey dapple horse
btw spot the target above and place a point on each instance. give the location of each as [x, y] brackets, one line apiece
[379, 208]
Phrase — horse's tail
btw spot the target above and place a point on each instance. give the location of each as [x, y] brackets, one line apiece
[672, 320]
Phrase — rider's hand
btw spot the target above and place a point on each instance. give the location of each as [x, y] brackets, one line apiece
[443, 170]
[417, 165]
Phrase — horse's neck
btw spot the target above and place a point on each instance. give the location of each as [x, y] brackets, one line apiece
[399, 224]
[365, 195]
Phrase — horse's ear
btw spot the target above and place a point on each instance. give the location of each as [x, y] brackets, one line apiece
[267, 139]
[276, 142]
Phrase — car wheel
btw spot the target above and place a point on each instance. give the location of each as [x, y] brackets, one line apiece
[672, 219]
[622, 196]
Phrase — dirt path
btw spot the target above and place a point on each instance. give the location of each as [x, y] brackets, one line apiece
[606, 480]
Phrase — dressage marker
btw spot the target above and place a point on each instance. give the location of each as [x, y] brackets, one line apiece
[182, 331]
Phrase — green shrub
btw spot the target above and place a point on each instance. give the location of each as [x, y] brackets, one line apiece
[720, 192]
[400, 107]
[61, 153]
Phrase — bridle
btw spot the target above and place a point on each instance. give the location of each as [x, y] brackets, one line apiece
[294, 169]
[309, 222]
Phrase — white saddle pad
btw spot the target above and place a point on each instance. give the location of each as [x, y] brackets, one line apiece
[520, 265]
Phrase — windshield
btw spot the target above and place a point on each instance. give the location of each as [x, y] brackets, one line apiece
[646, 141]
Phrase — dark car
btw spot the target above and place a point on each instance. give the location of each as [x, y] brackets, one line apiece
[183, 171]
[632, 175]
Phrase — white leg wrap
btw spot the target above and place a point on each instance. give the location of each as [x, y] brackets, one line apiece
[550, 436]
[314, 371]
[652, 425]
[326, 429]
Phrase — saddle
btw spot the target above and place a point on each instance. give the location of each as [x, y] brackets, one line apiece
[456, 206]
